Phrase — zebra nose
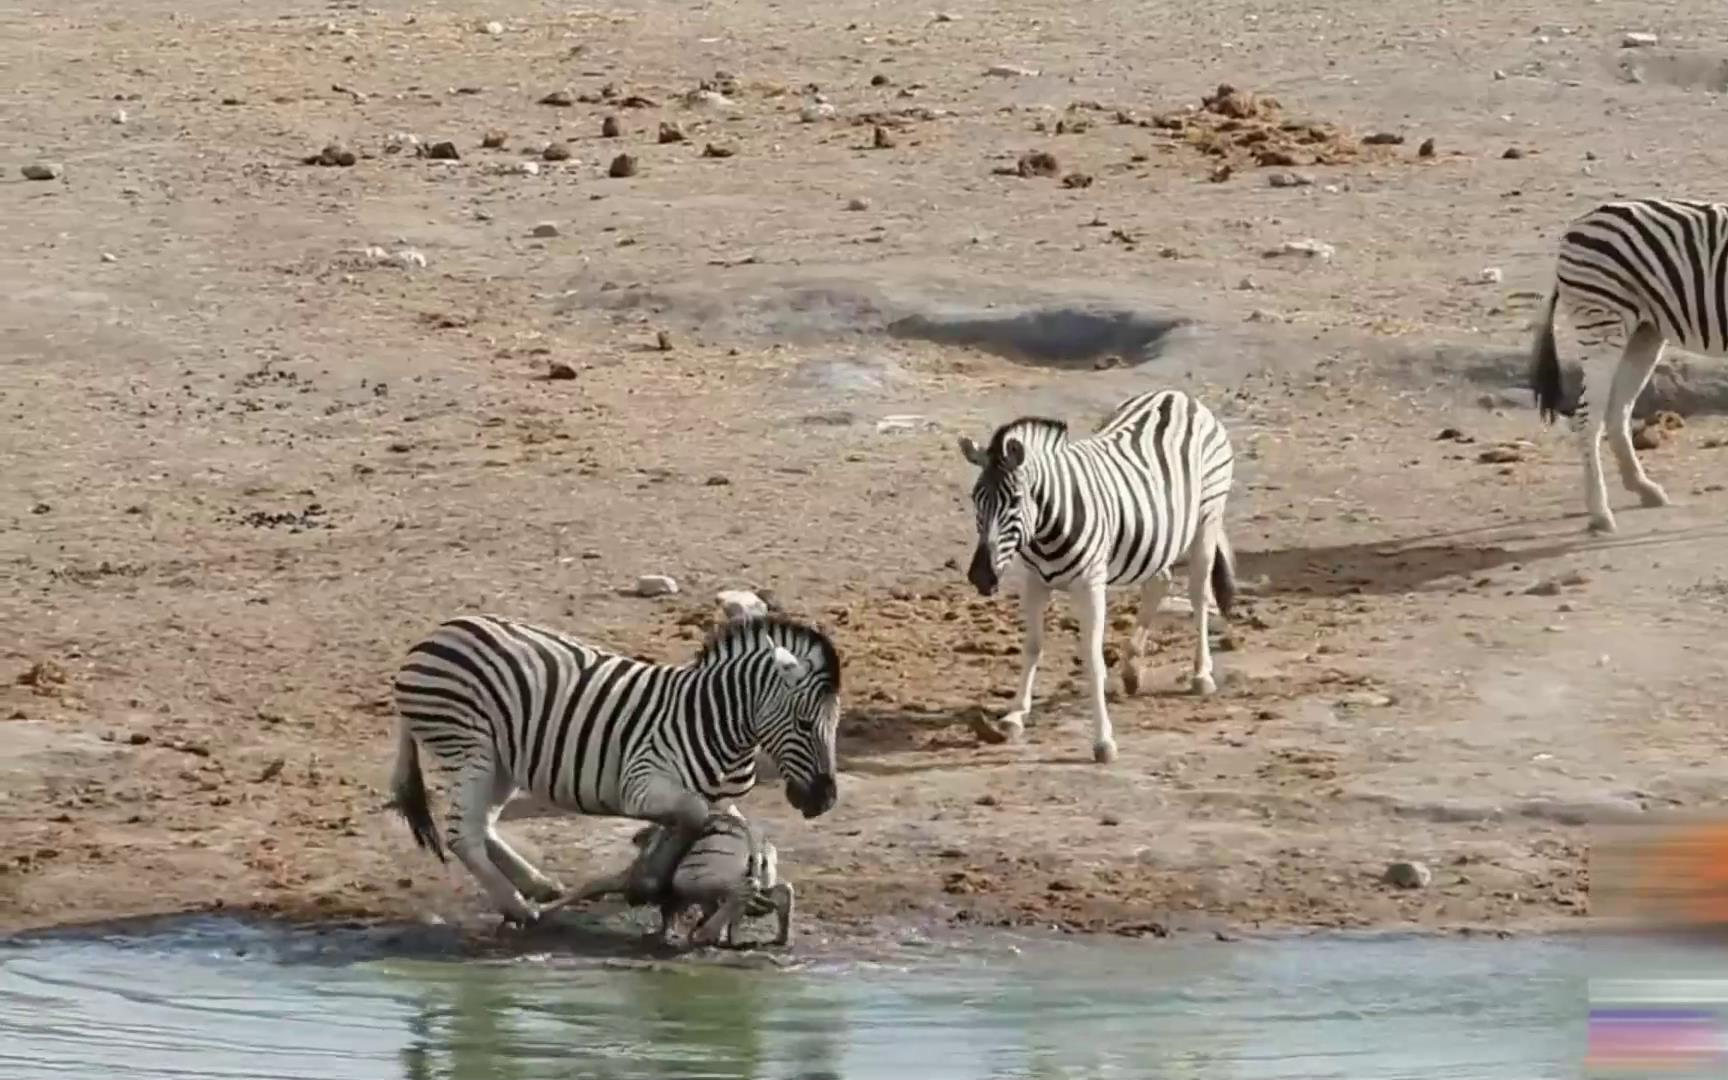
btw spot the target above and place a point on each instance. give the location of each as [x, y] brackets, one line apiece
[981, 574]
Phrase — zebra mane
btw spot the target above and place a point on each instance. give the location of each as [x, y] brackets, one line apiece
[1034, 432]
[728, 637]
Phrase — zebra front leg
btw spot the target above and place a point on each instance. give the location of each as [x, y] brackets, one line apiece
[1201, 553]
[720, 921]
[529, 881]
[780, 895]
[1152, 595]
[1643, 352]
[1034, 598]
[470, 830]
[1090, 600]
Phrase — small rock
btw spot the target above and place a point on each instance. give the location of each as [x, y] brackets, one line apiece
[119, 116]
[1408, 875]
[1248, 284]
[1109, 819]
[1037, 163]
[493, 29]
[741, 604]
[1383, 138]
[857, 203]
[880, 139]
[662, 341]
[1010, 71]
[1077, 180]
[555, 152]
[712, 151]
[1500, 455]
[42, 172]
[109, 257]
[521, 168]
[1550, 587]
[1648, 437]
[1490, 275]
[398, 141]
[408, 259]
[334, 154]
[1638, 39]
[1289, 180]
[711, 100]
[670, 133]
[717, 480]
[1512, 153]
[655, 585]
[546, 229]
[622, 166]
[611, 128]
[559, 371]
[1314, 249]
[814, 111]
[494, 139]
[1426, 149]
[443, 151]
[563, 99]
[880, 79]
[272, 769]
[1451, 434]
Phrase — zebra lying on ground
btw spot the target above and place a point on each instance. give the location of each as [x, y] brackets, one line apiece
[731, 872]
[1633, 275]
[506, 707]
[1116, 508]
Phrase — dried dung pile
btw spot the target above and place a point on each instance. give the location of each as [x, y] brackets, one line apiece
[1241, 128]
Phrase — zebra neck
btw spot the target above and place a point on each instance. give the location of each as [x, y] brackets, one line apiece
[720, 715]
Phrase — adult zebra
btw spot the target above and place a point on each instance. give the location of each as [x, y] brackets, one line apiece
[1636, 273]
[1115, 508]
[505, 706]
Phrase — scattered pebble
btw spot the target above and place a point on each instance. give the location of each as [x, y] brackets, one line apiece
[1426, 150]
[1314, 249]
[1512, 153]
[109, 257]
[1408, 875]
[494, 140]
[814, 111]
[398, 141]
[334, 154]
[622, 166]
[880, 139]
[671, 133]
[1077, 180]
[1490, 275]
[119, 116]
[1383, 138]
[493, 28]
[611, 128]
[561, 98]
[443, 151]
[556, 152]
[740, 604]
[1289, 180]
[1037, 163]
[1500, 455]
[272, 769]
[1638, 39]
[1010, 71]
[857, 203]
[655, 585]
[559, 371]
[712, 151]
[662, 341]
[711, 100]
[517, 168]
[546, 229]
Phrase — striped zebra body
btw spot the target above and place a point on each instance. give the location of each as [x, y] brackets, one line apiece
[505, 707]
[1117, 508]
[1632, 276]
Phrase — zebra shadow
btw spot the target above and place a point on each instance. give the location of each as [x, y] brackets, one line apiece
[1409, 564]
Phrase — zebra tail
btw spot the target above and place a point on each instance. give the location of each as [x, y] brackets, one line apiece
[408, 794]
[1545, 364]
[1224, 576]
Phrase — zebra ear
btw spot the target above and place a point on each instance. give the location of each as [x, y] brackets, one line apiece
[1013, 453]
[973, 452]
[790, 667]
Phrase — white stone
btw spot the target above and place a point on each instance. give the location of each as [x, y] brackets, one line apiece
[408, 259]
[711, 100]
[399, 141]
[655, 585]
[1490, 275]
[494, 28]
[1638, 39]
[908, 422]
[739, 604]
[1314, 249]
[109, 256]
[814, 111]
[120, 116]
[1009, 71]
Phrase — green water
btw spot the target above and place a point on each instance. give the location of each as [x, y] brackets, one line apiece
[214, 998]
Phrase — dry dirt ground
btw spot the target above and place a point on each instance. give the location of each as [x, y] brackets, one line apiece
[248, 462]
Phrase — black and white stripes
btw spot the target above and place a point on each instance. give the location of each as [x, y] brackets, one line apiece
[1116, 508]
[1633, 275]
[505, 707]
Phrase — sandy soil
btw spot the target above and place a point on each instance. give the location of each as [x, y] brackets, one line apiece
[248, 463]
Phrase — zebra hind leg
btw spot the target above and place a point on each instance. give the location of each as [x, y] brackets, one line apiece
[1201, 552]
[1152, 595]
[528, 879]
[1090, 599]
[470, 828]
[1643, 352]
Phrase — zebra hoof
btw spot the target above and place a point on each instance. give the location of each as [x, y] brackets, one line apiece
[1601, 526]
[1203, 685]
[1104, 751]
[1652, 497]
[1007, 729]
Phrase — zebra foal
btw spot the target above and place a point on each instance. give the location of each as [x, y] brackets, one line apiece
[505, 706]
[1118, 507]
[1632, 275]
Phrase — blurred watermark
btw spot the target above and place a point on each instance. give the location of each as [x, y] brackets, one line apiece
[1665, 877]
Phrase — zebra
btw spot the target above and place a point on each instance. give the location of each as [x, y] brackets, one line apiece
[505, 706]
[1115, 508]
[1642, 272]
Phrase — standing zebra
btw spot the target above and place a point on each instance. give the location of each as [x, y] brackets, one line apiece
[1633, 275]
[508, 707]
[1116, 508]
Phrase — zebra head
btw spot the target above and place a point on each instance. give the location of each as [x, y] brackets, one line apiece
[997, 502]
[796, 713]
